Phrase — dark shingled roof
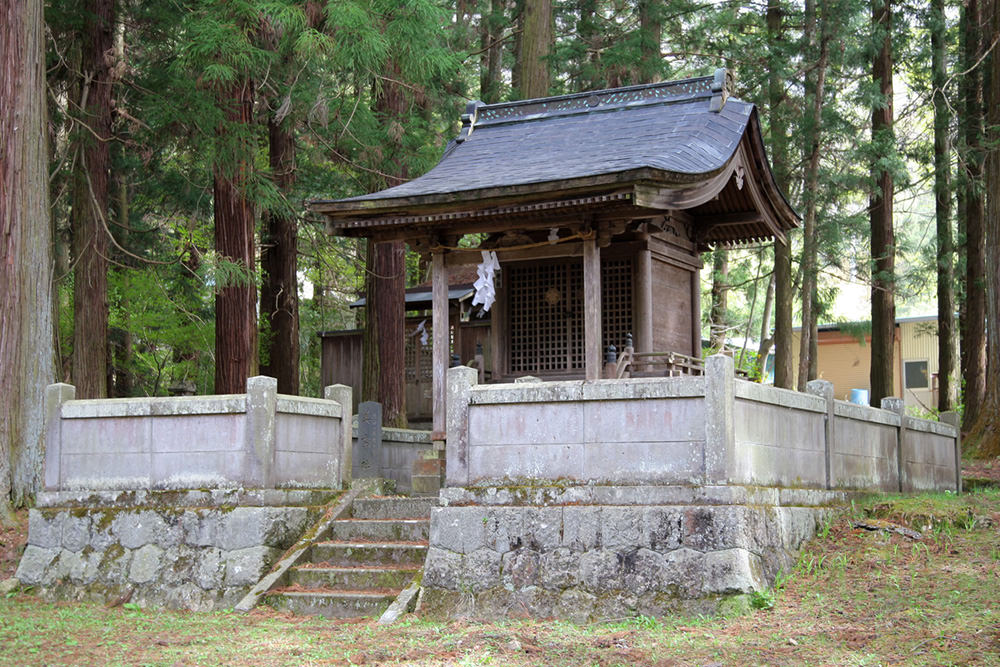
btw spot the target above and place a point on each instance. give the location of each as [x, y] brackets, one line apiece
[673, 134]
[682, 135]
[666, 126]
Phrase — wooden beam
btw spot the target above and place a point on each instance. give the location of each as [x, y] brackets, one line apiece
[696, 314]
[592, 308]
[568, 249]
[439, 360]
[644, 301]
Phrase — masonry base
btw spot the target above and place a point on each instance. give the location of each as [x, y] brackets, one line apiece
[146, 548]
[548, 552]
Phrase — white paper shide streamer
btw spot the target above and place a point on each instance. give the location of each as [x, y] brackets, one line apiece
[486, 292]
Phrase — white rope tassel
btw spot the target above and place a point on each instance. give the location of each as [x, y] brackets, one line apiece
[486, 292]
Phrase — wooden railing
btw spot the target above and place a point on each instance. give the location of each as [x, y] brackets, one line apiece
[668, 364]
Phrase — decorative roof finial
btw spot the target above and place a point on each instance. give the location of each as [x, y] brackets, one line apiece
[469, 120]
[720, 90]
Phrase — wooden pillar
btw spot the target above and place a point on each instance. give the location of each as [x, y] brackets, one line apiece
[592, 308]
[439, 361]
[696, 314]
[644, 302]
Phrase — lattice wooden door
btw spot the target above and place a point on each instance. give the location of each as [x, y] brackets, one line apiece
[545, 313]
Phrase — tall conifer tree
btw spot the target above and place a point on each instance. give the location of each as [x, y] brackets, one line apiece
[883, 244]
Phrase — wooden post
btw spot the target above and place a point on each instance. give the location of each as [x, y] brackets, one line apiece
[439, 361]
[696, 314]
[644, 302]
[592, 308]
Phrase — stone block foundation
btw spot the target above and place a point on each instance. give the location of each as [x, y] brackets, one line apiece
[588, 553]
[197, 550]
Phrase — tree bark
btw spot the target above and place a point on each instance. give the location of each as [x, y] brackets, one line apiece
[27, 350]
[279, 294]
[536, 45]
[984, 436]
[942, 198]
[720, 297]
[817, 48]
[974, 331]
[90, 203]
[384, 337]
[783, 292]
[383, 377]
[650, 35]
[491, 60]
[883, 244]
[766, 339]
[235, 303]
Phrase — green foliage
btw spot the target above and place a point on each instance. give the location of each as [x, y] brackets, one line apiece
[320, 69]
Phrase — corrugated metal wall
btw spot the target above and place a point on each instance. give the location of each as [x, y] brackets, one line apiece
[846, 363]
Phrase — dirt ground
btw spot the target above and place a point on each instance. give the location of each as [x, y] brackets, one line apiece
[988, 469]
[12, 542]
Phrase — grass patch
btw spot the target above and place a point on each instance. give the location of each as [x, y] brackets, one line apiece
[855, 598]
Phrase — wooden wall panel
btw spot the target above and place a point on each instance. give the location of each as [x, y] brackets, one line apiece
[341, 362]
[671, 307]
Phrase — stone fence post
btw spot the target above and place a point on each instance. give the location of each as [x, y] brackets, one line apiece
[461, 380]
[55, 396]
[953, 419]
[344, 395]
[261, 405]
[824, 390]
[894, 404]
[720, 436]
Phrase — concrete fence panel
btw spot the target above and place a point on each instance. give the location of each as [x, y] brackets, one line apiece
[781, 436]
[649, 430]
[864, 449]
[712, 429]
[256, 440]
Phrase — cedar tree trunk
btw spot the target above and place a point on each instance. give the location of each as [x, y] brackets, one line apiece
[536, 45]
[236, 302]
[883, 244]
[27, 350]
[90, 204]
[279, 296]
[942, 197]
[984, 437]
[974, 331]
[783, 292]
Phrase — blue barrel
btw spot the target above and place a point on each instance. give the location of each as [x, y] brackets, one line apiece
[859, 396]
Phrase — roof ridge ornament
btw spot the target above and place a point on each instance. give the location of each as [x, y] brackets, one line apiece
[721, 84]
[469, 119]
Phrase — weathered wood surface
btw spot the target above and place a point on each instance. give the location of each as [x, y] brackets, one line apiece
[439, 270]
[592, 308]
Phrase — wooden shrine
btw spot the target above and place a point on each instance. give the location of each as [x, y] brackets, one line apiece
[597, 205]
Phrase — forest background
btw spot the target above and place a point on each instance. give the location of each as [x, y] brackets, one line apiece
[156, 225]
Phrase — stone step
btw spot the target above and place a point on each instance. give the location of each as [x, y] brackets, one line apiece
[353, 578]
[393, 507]
[333, 603]
[346, 553]
[382, 530]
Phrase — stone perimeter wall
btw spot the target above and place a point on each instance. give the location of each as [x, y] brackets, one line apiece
[712, 429]
[595, 500]
[586, 553]
[260, 439]
[196, 550]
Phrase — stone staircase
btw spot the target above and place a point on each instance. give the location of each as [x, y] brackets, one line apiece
[368, 558]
